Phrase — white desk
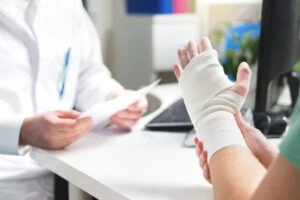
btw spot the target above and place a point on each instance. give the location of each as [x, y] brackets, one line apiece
[140, 165]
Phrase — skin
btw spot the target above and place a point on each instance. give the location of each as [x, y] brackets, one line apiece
[58, 129]
[54, 130]
[127, 118]
[235, 172]
[257, 143]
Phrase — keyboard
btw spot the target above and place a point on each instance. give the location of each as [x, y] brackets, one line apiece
[173, 118]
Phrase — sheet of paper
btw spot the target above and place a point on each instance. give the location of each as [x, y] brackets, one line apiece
[101, 112]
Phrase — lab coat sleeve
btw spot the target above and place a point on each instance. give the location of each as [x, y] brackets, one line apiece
[10, 126]
[95, 82]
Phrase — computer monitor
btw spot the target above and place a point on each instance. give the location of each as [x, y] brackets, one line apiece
[279, 50]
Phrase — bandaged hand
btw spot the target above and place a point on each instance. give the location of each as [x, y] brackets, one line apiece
[210, 97]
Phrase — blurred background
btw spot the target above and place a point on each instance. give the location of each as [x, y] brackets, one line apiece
[139, 39]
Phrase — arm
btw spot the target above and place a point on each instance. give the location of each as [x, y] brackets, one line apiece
[95, 82]
[281, 182]
[235, 172]
[283, 178]
[212, 108]
[257, 143]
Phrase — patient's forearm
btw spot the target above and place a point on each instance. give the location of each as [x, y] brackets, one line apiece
[235, 173]
[281, 182]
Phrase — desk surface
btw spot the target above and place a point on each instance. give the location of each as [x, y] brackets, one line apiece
[139, 165]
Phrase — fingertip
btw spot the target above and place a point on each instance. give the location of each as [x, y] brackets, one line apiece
[244, 68]
[196, 140]
[177, 70]
[181, 52]
[205, 44]
[139, 106]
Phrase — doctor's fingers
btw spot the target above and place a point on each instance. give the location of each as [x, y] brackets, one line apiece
[66, 123]
[139, 106]
[130, 115]
[81, 126]
[61, 143]
[79, 132]
[126, 124]
[67, 137]
[68, 114]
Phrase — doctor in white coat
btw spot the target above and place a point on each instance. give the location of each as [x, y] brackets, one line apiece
[49, 60]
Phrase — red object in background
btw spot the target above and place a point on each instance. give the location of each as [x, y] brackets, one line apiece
[181, 6]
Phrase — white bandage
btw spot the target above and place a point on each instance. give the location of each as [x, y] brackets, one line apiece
[210, 105]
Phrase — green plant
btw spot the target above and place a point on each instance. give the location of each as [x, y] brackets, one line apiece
[297, 67]
[247, 49]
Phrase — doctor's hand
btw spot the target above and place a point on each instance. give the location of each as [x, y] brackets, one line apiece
[127, 118]
[54, 130]
[258, 144]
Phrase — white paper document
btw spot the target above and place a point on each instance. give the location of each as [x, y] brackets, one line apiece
[102, 111]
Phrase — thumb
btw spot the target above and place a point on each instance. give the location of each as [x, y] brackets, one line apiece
[241, 87]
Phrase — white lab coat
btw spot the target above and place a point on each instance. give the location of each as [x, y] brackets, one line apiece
[34, 39]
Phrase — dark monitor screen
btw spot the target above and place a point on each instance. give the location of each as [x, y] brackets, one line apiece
[279, 51]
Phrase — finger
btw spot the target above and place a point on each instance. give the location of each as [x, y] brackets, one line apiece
[202, 160]
[244, 126]
[81, 126]
[199, 144]
[205, 157]
[242, 84]
[67, 137]
[196, 140]
[193, 49]
[69, 114]
[198, 152]
[75, 137]
[206, 173]
[183, 57]
[123, 124]
[177, 69]
[140, 106]
[129, 115]
[85, 122]
[205, 44]
[61, 124]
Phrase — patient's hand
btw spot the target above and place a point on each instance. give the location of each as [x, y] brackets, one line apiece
[241, 87]
[261, 148]
[256, 142]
